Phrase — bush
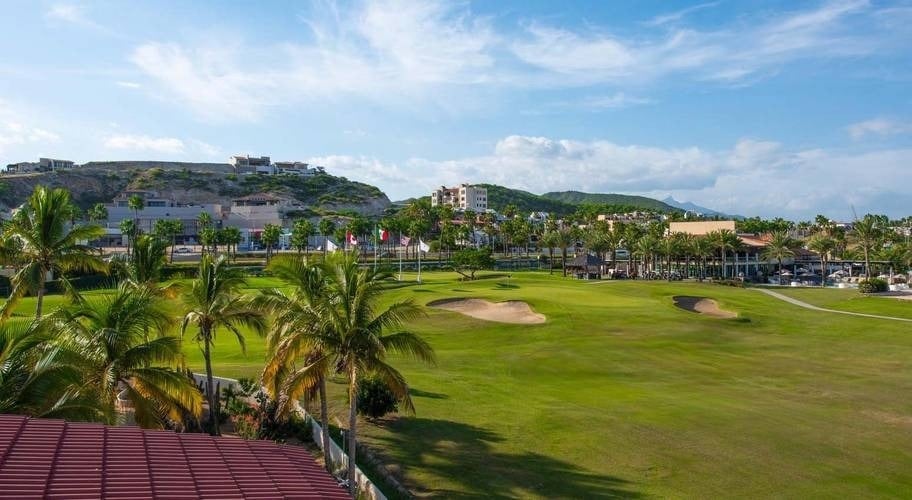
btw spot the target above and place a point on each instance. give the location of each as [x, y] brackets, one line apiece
[873, 285]
[734, 283]
[375, 399]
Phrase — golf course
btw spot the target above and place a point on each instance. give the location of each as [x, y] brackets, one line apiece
[622, 392]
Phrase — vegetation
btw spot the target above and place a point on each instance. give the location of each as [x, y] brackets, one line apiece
[468, 261]
[622, 202]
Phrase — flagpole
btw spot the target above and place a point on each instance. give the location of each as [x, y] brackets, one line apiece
[376, 242]
[400, 255]
[419, 260]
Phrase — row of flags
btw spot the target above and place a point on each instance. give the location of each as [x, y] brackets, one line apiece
[382, 235]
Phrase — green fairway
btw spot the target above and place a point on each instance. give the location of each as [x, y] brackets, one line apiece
[850, 300]
[620, 393]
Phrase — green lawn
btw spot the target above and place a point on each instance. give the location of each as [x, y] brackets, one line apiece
[851, 300]
[620, 393]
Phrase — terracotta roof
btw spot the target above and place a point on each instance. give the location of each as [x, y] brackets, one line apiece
[45, 458]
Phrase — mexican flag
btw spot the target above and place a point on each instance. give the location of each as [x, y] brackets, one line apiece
[382, 234]
[352, 239]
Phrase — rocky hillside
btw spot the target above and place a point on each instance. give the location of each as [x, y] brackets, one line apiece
[322, 194]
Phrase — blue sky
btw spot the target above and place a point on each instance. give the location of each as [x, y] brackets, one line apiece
[768, 108]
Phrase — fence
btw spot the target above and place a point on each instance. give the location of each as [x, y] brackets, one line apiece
[339, 458]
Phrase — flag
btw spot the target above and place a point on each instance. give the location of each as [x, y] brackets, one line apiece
[352, 240]
[382, 234]
[404, 241]
[330, 246]
[424, 247]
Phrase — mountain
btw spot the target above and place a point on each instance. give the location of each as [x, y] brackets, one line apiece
[567, 202]
[693, 207]
[620, 200]
[525, 202]
[195, 183]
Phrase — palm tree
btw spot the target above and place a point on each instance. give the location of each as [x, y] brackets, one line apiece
[779, 247]
[702, 247]
[824, 245]
[128, 227]
[36, 380]
[867, 234]
[565, 238]
[47, 245]
[168, 229]
[214, 300]
[296, 317]
[136, 204]
[724, 240]
[356, 341]
[144, 266]
[112, 336]
[550, 238]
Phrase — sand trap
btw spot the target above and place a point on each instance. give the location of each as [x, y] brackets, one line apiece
[702, 305]
[511, 311]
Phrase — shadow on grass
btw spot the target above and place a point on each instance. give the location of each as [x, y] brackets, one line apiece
[464, 454]
[507, 286]
[418, 393]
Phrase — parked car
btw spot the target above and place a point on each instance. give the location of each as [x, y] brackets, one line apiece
[183, 250]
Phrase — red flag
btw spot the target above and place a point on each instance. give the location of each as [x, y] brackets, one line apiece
[383, 234]
[352, 240]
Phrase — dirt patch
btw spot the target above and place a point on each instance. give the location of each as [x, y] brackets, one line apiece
[702, 305]
[511, 311]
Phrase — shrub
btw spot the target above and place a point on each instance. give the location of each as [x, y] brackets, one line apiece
[734, 283]
[873, 285]
[375, 399]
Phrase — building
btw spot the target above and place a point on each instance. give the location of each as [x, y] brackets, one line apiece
[156, 207]
[462, 197]
[700, 228]
[53, 165]
[23, 167]
[50, 458]
[297, 168]
[252, 165]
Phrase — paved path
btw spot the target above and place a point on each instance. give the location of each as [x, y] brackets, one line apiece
[805, 305]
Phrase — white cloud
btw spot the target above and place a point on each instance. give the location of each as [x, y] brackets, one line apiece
[129, 85]
[145, 143]
[878, 126]
[753, 177]
[616, 100]
[437, 55]
[13, 132]
[676, 16]
[76, 15]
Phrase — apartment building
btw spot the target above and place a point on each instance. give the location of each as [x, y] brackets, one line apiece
[252, 165]
[462, 197]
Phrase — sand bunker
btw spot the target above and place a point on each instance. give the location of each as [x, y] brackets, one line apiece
[511, 311]
[702, 305]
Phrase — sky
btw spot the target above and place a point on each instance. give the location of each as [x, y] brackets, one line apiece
[752, 107]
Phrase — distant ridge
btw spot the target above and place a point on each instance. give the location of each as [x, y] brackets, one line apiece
[642, 202]
[693, 207]
[566, 202]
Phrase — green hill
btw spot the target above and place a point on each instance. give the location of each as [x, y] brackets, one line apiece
[579, 198]
[567, 202]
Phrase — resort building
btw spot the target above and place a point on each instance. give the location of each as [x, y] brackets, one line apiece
[252, 165]
[52, 164]
[156, 207]
[700, 228]
[462, 197]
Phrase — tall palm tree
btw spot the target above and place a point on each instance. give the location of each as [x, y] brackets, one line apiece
[296, 318]
[550, 238]
[136, 203]
[111, 334]
[725, 240]
[867, 234]
[36, 379]
[824, 245]
[144, 266]
[702, 247]
[779, 247]
[357, 341]
[565, 238]
[214, 300]
[48, 245]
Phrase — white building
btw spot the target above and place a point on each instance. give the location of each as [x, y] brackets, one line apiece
[462, 197]
[252, 165]
[52, 164]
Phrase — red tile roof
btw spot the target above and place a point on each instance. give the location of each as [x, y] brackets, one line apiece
[44, 458]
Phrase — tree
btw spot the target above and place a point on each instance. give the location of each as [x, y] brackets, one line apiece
[550, 239]
[47, 245]
[270, 238]
[468, 261]
[375, 399]
[233, 238]
[214, 300]
[296, 319]
[128, 227]
[136, 204]
[702, 247]
[824, 245]
[867, 234]
[724, 240]
[97, 213]
[208, 238]
[565, 238]
[779, 247]
[357, 341]
[327, 226]
[117, 354]
[300, 234]
[168, 229]
[35, 377]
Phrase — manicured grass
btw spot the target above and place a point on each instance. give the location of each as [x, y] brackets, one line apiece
[851, 300]
[620, 393]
